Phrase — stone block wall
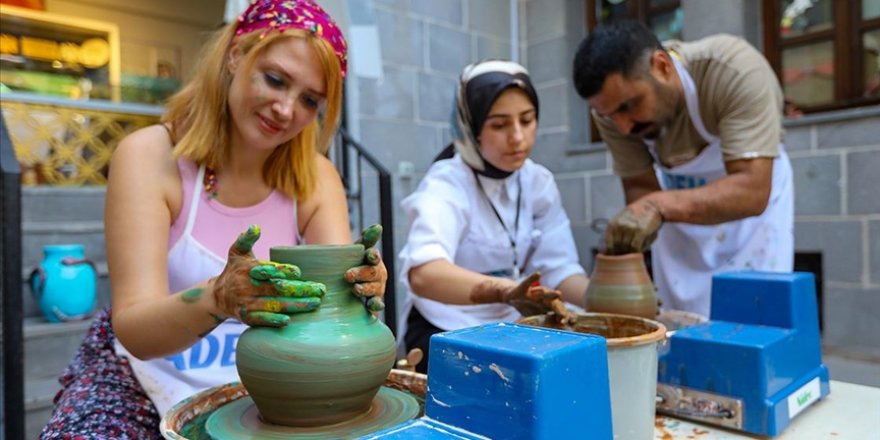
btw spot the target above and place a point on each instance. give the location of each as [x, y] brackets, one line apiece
[553, 30]
[402, 116]
[836, 162]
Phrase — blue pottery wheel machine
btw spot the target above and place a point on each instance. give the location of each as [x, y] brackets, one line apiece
[753, 367]
[756, 364]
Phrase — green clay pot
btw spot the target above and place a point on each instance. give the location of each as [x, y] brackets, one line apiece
[325, 366]
[620, 284]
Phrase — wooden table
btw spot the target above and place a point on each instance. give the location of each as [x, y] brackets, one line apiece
[850, 412]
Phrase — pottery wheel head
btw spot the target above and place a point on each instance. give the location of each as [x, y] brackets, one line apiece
[241, 419]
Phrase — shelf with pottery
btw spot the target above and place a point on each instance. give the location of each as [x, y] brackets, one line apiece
[57, 54]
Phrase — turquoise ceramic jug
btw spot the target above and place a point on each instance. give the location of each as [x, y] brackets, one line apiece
[64, 283]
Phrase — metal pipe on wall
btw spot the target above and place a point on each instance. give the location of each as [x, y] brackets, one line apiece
[514, 30]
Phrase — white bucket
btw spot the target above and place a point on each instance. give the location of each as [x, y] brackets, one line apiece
[675, 320]
[633, 343]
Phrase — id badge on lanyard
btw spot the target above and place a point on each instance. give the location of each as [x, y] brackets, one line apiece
[514, 271]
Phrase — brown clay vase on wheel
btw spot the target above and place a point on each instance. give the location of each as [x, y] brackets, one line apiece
[620, 284]
[325, 366]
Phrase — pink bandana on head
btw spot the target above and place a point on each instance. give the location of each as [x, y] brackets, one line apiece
[293, 14]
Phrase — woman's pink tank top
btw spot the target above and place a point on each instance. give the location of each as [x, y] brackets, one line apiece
[198, 244]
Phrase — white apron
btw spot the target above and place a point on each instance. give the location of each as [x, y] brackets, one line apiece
[685, 256]
[485, 253]
[211, 360]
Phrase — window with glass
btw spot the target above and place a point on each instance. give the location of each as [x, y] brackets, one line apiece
[825, 52]
[664, 17]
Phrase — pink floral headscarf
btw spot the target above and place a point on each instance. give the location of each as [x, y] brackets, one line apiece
[268, 15]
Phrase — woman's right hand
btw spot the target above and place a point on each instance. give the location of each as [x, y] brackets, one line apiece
[261, 293]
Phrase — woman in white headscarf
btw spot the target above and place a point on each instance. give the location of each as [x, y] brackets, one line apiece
[485, 215]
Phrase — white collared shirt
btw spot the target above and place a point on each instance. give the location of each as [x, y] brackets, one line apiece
[451, 220]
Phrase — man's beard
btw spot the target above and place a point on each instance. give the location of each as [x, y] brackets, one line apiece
[667, 99]
[646, 130]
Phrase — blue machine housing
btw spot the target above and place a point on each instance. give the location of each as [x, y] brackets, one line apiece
[424, 429]
[760, 347]
[510, 381]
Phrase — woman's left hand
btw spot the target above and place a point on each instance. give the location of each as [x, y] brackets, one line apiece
[369, 279]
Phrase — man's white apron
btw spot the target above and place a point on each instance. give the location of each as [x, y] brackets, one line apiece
[685, 256]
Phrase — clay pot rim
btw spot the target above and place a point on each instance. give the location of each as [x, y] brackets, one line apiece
[656, 335]
[304, 247]
[628, 256]
[683, 319]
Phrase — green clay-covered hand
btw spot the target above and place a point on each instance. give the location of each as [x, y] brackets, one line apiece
[262, 293]
[369, 279]
[633, 229]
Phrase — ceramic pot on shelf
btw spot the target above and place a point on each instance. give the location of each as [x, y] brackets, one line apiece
[325, 366]
[620, 284]
[64, 283]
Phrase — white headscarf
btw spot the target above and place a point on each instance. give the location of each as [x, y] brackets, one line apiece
[479, 86]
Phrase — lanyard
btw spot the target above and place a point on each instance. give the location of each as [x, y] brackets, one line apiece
[511, 237]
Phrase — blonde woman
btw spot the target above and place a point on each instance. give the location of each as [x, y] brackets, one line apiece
[241, 145]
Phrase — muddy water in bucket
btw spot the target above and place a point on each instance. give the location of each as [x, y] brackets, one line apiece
[633, 343]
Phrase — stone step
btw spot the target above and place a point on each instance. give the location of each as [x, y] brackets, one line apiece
[38, 397]
[49, 347]
[62, 204]
[56, 215]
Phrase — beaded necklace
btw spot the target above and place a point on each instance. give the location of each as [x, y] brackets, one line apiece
[210, 182]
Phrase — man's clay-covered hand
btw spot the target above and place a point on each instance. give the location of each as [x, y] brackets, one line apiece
[527, 297]
[633, 229]
[369, 279]
[262, 293]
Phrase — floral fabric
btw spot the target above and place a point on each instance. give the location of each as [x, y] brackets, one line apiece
[100, 398]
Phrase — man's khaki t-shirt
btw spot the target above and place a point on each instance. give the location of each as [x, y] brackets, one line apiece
[740, 102]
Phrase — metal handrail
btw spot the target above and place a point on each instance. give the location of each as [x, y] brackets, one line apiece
[350, 169]
[12, 366]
